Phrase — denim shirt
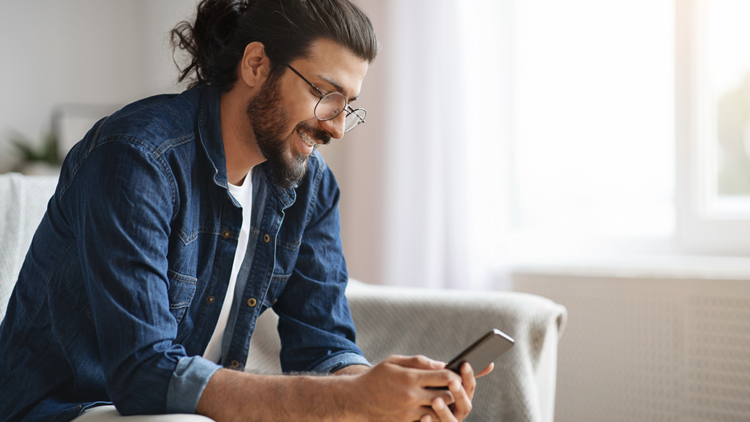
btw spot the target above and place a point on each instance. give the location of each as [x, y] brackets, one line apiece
[124, 281]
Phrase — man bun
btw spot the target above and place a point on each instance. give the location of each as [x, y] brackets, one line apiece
[210, 33]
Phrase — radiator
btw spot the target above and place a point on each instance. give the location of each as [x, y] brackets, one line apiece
[649, 347]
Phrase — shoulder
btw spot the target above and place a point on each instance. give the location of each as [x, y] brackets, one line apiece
[127, 148]
[152, 122]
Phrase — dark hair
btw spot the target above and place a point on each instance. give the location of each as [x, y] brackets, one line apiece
[222, 29]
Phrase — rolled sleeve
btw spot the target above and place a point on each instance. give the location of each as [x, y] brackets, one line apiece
[340, 361]
[187, 383]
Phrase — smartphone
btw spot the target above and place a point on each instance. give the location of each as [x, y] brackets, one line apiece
[483, 352]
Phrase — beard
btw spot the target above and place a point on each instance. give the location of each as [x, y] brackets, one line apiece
[269, 122]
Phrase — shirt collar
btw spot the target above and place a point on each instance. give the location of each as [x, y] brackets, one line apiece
[208, 128]
[209, 135]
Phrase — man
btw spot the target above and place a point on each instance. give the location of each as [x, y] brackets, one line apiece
[180, 218]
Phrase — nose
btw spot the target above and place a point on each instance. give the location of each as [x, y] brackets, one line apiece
[335, 126]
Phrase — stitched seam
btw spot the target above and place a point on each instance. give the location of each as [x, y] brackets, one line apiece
[171, 143]
[189, 238]
[289, 246]
[136, 142]
[181, 277]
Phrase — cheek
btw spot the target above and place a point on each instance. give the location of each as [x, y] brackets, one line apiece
[300, 109]
[303, 111]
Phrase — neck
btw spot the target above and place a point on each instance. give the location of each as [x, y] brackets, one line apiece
[240, 147]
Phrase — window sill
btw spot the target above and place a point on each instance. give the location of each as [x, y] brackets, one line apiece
[638, 267]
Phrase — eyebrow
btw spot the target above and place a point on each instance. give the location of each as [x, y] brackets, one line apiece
[338, 87]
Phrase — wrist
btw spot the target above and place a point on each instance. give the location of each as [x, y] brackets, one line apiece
[345, 395]
[352, 370]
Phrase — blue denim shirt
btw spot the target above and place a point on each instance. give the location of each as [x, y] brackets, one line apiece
[124, 281]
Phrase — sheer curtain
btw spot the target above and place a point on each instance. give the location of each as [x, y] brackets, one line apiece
[446, 139]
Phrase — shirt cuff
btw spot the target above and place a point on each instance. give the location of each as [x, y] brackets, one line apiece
[187, 383]
[340, 361]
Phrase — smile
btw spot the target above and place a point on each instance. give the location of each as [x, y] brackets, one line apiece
[306, 138]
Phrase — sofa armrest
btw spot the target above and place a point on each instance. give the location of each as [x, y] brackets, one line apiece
[23, 201]
[441, 323]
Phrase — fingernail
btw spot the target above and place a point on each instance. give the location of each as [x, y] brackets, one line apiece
[439, 404]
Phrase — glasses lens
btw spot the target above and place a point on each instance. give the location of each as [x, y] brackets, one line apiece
[354, 119]
[330, 106]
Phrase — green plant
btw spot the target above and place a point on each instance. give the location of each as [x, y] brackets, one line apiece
[47, 153]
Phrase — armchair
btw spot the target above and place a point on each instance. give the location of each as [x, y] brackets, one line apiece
[436, 323]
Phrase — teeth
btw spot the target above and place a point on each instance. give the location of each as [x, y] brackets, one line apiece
[306, 138]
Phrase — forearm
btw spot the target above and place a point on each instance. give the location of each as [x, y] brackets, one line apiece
[399, 389]
[238, 396]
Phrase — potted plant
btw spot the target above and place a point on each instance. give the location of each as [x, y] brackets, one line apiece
[43, 160]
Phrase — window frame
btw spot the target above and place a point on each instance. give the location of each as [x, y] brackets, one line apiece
[703, 225]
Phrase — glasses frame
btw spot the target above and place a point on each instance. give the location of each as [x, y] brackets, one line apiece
[361, 113]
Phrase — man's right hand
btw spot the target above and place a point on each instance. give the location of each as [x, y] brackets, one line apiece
[396, 390]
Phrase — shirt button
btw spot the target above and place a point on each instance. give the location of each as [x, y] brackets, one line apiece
[210, 299]
[266, 238]
[225, 234]
[252, 302]
[235, 364]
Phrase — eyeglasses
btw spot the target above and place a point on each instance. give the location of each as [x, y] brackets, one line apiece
[332, 104]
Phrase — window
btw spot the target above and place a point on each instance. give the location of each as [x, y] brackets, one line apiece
[713, 126]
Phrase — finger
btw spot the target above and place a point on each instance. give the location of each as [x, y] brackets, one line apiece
[417, 362]
[486, 370]
[467, 376]
[431, 395]
[462, 405]
[428, 412]
[442, 411]
[437, 378]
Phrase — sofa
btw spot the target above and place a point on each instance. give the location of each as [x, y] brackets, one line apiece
[389, 320]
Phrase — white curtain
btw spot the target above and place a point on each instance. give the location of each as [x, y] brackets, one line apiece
[446, 143]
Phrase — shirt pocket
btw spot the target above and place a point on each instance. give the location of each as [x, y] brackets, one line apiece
[286, 259]
[181, 292]
[287, 252]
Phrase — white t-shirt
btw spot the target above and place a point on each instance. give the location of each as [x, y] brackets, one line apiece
[244, 195]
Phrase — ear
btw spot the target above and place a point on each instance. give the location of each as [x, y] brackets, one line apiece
[254, 66]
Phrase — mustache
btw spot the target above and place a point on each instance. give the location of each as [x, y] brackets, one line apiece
[315, 133]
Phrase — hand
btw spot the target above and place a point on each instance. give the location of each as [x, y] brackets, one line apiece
[396, 389]
[462, 394]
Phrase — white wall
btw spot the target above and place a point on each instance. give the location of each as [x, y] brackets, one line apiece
[359, 163]
[80, 52]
